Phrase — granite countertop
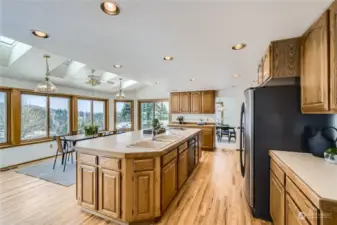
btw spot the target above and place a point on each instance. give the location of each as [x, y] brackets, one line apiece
[318, 174]
[117, 145]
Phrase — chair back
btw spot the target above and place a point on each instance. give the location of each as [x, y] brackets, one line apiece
[59, 144]
[100, 134]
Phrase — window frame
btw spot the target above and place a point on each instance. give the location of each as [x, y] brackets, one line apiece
[92, 100]
[70, 113]
[8, 115]
[154, 101]
[132, 114]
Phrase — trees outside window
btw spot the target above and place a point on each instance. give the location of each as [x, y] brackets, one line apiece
[3, 117]
[99, 114]
[123, 115]
[148, 110]
[90, 112]
[59, 116]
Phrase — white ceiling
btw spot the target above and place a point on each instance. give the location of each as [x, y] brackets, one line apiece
[198, 34]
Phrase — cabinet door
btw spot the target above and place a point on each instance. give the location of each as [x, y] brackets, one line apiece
[207, 139]
[315, 72]
[109, 185]
[185, 102]
[266, 65]
[182, 168]
[260, 74]
[196, 102]
[277, 195]
[293, 215]
[143, 195]
[175, 103]
[333, 56]
[208, 102]
[88, 186]
[169, 183]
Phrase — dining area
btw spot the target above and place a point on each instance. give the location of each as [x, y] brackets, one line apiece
[225, 132]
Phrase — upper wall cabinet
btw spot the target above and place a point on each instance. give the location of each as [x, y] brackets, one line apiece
[319, 63]
[193, 102]
[196, 104]
[281, 60]
[185, 102]
[174, 103]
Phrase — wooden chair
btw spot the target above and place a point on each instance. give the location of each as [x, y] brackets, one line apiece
[100, 135]
[232, 134]
[64, 152]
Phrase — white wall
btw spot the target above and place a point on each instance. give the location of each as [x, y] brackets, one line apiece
[194, 117]
[26, 153]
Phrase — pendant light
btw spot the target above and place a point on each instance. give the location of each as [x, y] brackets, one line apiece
[46, 85]
[120, 94]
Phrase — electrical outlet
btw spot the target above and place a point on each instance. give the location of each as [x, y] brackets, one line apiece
[51, 145]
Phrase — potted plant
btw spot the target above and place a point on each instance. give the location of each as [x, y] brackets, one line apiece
[330, 155]
[91, 129]
[180, 119]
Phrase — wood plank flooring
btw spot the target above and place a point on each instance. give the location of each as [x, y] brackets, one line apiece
[211, 196]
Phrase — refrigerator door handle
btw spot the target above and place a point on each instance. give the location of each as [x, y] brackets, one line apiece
[241, 139]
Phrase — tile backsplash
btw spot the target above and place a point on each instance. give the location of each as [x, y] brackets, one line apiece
[195, 117]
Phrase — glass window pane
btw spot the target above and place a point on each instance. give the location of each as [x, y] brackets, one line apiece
[123, 115]
[3, 117]
[58, 116]
[99, 114]
[33, 116]
[84, 114]
[162, 112]
[146, 114]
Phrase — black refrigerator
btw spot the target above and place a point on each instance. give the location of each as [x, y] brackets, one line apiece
[271, 118]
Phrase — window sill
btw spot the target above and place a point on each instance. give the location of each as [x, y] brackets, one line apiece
[26, 142]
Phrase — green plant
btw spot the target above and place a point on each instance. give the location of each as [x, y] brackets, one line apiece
[155, 124]
[180, 119]
[330, 153]
[91, 129]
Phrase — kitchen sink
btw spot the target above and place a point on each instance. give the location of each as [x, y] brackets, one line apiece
[149, 144]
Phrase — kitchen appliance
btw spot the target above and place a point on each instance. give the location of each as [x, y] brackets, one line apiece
[192, 144]
[271, 119]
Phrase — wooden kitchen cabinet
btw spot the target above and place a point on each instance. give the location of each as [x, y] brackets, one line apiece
[208, 102]
[196, 102]
[207, 139]
[293, 214]
[109, 189]
[87, 186]
[315, 67]
[143, 195]
[266, 70]
[182, 168]
[277, 199]
[185, 102]
[169, 183]
[260, 74]
[333, 57]
[175, 103]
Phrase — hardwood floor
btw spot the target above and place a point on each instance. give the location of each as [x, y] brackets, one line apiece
[211, 196]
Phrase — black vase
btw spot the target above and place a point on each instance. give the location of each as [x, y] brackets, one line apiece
[321, 140]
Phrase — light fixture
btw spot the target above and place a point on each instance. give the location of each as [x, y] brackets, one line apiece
[120, 94]
[46, 85]
[93, 80]
[157, 82]
[117, 66]
[168, 58]
[40, 34]
[236, 75]
[110, 7]
[239, 46]
[192, 79]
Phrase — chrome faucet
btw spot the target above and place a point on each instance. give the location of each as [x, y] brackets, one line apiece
[154, 132]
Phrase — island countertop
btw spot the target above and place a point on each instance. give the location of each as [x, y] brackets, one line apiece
[118, 145]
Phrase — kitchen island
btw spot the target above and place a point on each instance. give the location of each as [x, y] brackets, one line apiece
[130, 178]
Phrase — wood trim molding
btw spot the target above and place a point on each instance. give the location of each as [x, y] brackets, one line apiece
[132, 113]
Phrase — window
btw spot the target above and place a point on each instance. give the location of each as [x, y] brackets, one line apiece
[148, 110]
[123, 114]
[91, 112]
[6, 40]
[59, 113]
[99, 114]
[3, 117]
[33, 116]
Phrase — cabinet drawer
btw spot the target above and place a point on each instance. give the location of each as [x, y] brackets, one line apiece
[294, 216]
[169, 156]
[143, 164]
[305, 206]
[109, 163]
[277, 171]
[88, 159]
[183, 147]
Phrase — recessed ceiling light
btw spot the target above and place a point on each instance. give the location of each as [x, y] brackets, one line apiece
[239, 46]
[236, 75]
[192, 79]
[110, 8]
[118, 66]
[157, 82]
[40, 34]
[168, 58]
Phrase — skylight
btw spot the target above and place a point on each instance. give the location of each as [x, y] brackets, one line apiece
[6, 40]
[129, 83]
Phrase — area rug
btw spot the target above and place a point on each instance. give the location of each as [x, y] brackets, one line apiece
[45, 171]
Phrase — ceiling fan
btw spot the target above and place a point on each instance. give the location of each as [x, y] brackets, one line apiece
[93, 80]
